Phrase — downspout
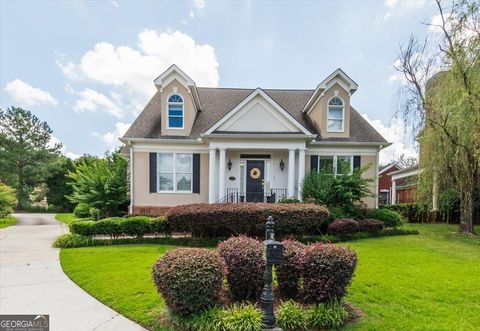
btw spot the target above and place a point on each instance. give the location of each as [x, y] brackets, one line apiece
[132, 195]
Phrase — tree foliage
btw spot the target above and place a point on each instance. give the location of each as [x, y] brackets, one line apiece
[57, 184]
[26, 150]
[7, 200]
[101, 183]
[443, 95]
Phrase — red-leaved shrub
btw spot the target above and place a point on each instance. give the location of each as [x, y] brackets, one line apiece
[342, 226]
[245, 266]
[189, 279]
[327, 272]
[289, 272]
[370, 225]
[226, 219]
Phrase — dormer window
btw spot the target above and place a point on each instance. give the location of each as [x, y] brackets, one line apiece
[175, 112]
[335, 115]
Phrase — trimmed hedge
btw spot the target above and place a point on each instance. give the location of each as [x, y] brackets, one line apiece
[414, 212]
[245, 266]
[136, 226]
[328, 270]
[221, 219]
[390, 218]
[370, 225]
[289, 272]
[82, 210]
[189, 279]
[343, 226]
[84, 228]
[108, 227]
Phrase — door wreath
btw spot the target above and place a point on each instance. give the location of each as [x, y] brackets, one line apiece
[255, 173]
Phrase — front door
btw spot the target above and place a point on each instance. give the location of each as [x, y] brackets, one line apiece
[255, 176]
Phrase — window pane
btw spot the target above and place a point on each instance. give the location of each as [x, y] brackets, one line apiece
[344, 164]
[175, 122]
[173, 112]
[326, 164]
[334, 125]
[165, 182]
[335, 113]
[336, 102]
[184, 163]
[165, 162]
[175, 98]
[184, 182]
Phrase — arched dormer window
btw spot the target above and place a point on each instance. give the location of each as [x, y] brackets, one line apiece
[335, 115]
[175, 112]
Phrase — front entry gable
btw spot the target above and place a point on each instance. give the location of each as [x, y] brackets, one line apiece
[258, 113]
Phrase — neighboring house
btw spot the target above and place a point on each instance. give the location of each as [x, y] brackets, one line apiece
[195, 144]
[385, 183]
[404, 184]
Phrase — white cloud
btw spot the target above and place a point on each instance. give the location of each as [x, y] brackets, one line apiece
[28, 95]
[396, 134]
[92, 101]
[200, 4]
[111, 138]
[114, 3]
[54, 140]
[398, 7]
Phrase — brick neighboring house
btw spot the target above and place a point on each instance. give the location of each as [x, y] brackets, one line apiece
[385, 183]
[397, 184]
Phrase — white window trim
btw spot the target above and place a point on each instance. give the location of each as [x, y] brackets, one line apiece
[335, 163]
[176, 104]
[174, 174]
[343, 114]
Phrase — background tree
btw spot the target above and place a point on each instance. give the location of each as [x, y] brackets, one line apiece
[443, 96]
[406, 161]
[102, 184]
[25, 149]
[57, 183]
[7, 200]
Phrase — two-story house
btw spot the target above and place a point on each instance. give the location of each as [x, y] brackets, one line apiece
[196, 144]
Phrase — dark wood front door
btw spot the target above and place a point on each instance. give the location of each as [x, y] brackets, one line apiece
[255, 176]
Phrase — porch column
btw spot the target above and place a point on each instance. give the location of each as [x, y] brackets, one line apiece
[212, 190]
[394, 191]
[221, 174]
[301, 171]
[291, 173]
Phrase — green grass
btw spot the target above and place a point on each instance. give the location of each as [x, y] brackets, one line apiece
[7, 221]
[428, 281]
[66, 218]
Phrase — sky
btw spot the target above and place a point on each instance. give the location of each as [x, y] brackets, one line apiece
[87, 67]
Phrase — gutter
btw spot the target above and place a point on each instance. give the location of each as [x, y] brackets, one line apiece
[161, 140]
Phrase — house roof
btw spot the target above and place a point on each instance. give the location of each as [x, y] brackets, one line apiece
[217, 102]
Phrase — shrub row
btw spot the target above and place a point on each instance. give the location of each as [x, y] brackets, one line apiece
[214, 220]
[390, 218]
[348, 226]
[114, 227]
[414, 212]
[289, 272]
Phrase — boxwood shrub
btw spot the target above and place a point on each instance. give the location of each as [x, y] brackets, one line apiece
[136, 226]
[159, 225]
[390, 218]
[109, 227]
[189, 279]
[289, 273]
[223, 220]
[84, 228]
[82, 210]
[370, 225]
[343, 226]
[245, 266]
[327, 272]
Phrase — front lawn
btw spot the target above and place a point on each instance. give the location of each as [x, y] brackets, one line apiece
[427, 282]
[66, 218]
[7, 221]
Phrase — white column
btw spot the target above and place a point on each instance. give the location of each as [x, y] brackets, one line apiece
[212, 176]
[221, 174]
[394, 191]
[301, 171]
[132, 183]
[291, 173]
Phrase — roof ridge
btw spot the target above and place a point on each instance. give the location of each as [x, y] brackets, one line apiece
[253, 89]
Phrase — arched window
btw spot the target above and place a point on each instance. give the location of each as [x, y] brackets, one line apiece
[175, 112]
[335, 115]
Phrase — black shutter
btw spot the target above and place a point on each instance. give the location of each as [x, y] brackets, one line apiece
[313, 163]
[196, 174]
[356, 162]
[153, 172]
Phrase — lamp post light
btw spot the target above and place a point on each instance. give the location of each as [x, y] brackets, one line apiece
[274, 256]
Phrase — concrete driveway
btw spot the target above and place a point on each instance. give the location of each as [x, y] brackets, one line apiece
[32, 280]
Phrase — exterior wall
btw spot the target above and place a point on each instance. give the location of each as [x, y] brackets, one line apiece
[189, 111]
[318, 115]
[385, 182]
[142, 196]
[371, 161]
[405, 195]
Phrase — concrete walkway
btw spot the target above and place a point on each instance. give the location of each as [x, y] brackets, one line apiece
[32, 280]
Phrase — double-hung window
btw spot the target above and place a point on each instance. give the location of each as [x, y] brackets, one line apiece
[335, 164]
[335, 115]
[175, 112]
[174, 172]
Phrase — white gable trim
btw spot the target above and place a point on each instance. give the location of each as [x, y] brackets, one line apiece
[328, 83]
[272, 102]
[389, 167]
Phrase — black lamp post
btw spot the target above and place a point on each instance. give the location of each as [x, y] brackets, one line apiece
[274, 256]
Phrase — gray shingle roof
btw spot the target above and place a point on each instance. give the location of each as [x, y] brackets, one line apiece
[217, 102]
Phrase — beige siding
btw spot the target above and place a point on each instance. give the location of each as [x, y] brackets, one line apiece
[318, 115]
[143, 197]
[370, 161]
[189, 111]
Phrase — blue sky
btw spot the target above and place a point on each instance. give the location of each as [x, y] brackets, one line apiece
[87, 67]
